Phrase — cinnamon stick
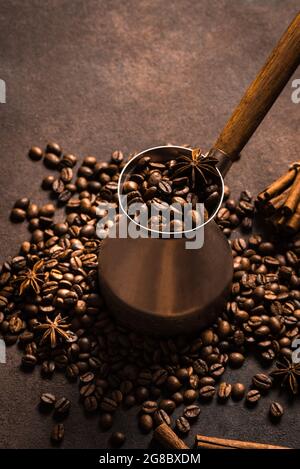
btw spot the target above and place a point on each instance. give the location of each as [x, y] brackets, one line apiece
[277, 202]
[293, 198]
[279, 185]
[278, 221]
[209, 442]
[293, 223]
[164, 435]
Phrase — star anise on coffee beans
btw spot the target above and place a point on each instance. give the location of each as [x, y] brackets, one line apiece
[196, 166]
[289, 373]
[31, 278]
[54, 330]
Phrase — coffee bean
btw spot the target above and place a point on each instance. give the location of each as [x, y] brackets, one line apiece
[231, 205]
[207, 338]
[117, 396]
[207, 392]
[141, 394]
[224, 329]
[29, 361]
[47, 210]
[51, 160]
[68, 160]
[149, 407]
[58, 186]
[116, 157]
[130, 186]
[191, 412]
[72, 372]
[35, 153]
[276, 410]
[216, 370]
[90, 404]
[190, 395]
[154, 178]
[177, 397]
[105, 421]
[200, 367]
[253, 396]
[145, 423]
[182, 374]
[223, 214]
[129, 401]
[62, 406]
[164, 188]
[167, 405]
[160, 416]
[194, 381]
[262, 382]
[66, 175]
[236, 359]
[108, 405]
[17, 215]
[48, 368]
[182, 425]
[53, 147]
[47, 401]
[266, 248]
[22, 203]
[246, 207]
[117, 439]
[15, 324]
[173, 383]
[47, 182]
[58, 433]
[26, 337]
[206, 381]
[87, 378]
[143, 161]
[224, 391]
[87, 389]
[226, 192]
[64, 196]
[238, 391]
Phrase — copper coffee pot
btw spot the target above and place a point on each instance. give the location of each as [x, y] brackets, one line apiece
[159, 287]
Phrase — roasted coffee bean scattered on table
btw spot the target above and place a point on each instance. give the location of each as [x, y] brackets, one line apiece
[50, 305]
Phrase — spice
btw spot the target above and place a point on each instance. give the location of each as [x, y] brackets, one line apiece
[293, 198]
[164, 435]
[289, 374]
[209, 442]
[31, 278]
[198, 165]
[293, 223]
[280, 202]
[53, 329]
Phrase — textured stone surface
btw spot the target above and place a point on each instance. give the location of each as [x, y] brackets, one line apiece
[99, 75]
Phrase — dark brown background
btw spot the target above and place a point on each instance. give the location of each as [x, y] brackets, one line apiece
[100, 75]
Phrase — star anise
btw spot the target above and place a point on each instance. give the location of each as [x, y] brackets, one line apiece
[54, 330]
[31, 278]
[289, 373]
[197, 165]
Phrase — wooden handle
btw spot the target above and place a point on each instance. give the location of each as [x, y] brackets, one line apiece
[262, 93]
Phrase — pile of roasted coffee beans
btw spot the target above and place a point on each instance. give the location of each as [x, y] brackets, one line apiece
[50, 305]
[165, 187]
